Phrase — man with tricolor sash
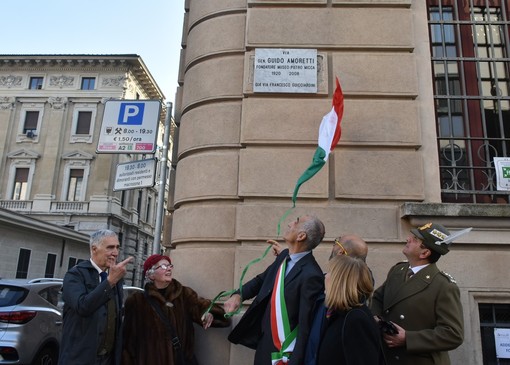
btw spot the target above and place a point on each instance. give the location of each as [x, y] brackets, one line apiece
[277, 323]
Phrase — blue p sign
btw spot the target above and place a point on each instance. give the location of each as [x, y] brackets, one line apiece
[131, 113]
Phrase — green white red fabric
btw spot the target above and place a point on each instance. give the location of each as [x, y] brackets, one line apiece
[329, 135]
[284, 339]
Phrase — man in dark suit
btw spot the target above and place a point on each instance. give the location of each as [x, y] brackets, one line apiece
[92, 293]
[422, 302]
[277, 323]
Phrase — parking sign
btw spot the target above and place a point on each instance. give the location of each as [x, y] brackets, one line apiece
[129, 126]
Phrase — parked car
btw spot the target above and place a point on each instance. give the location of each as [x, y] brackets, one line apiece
[31, 320]
[128, 290]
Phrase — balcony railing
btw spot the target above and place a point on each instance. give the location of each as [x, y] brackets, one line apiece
[82, 207]
[96, 205]
[16, 205]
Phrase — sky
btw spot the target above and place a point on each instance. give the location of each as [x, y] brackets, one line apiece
[151, 29]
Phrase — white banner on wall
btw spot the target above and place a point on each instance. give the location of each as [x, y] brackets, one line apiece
[278, 70]
[502, 166]
[502, 339]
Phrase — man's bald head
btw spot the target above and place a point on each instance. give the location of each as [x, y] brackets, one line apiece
[351, 245]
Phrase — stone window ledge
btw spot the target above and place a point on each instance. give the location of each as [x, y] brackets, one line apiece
[457, 215]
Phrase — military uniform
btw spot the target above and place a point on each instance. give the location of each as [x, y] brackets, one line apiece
[427, 306]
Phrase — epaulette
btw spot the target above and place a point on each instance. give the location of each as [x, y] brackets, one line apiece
[450, 278]
[402, 265]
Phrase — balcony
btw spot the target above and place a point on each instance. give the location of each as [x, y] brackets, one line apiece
[45, 205]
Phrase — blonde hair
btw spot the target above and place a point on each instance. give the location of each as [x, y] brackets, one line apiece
[349, 283]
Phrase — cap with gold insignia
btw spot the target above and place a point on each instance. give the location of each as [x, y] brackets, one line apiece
[433, 236]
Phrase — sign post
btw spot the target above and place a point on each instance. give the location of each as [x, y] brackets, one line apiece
[162, 182]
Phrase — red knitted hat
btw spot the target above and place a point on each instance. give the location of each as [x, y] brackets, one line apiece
[153, 260]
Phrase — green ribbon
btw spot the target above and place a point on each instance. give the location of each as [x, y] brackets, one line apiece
[229, 293]
[252, 262]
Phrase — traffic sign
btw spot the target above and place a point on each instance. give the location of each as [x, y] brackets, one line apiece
[129, 126]
[135, 175]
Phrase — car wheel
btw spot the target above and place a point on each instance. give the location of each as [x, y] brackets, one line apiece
[47, 356]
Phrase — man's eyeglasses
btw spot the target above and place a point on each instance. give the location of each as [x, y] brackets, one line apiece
[344, 251]
[164, 267]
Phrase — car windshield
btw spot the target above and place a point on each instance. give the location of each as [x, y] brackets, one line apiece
[11, 295]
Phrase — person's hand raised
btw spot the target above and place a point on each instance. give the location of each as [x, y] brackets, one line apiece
[277, 247]
[117, 271]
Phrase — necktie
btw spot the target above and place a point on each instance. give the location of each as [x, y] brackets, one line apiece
[103, 275]
[409, 274]
[289, 265]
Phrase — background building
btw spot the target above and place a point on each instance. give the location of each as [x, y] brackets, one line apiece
[426, 87]
[51, 108]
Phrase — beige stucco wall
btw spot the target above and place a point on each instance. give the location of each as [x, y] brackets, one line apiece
[240, 153]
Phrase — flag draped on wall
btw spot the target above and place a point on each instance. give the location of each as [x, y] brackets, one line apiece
[329, 135]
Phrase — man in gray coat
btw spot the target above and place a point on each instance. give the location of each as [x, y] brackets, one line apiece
[421, 302]
[92, 293]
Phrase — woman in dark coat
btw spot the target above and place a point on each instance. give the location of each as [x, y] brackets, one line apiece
[158, 323]
[350, 335]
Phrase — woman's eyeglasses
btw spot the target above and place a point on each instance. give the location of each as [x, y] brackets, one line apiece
[344, 251]
[164, 267]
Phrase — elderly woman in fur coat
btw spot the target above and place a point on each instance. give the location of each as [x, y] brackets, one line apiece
[158, 326]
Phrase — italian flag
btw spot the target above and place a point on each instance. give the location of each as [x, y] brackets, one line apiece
[329, 135]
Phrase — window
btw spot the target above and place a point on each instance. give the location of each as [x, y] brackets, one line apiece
[49, 272]
[71, 263]
[53, 295]
[30, 122]
[75, 176]
[23, 263]
[470, 54]
[139, 203]
[148, 208]
[492, 316]
[75, 185]
[88, 83]
[83, 123]
[21, 173]
[82, 128]
[36, 83]
[31, 119]
[20, 184]
[123, 199]
[120, 236]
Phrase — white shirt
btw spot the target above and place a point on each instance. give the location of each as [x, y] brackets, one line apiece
[97, 268]
[418, 268]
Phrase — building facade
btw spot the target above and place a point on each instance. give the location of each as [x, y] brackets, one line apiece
[51, 109]
[426, 87]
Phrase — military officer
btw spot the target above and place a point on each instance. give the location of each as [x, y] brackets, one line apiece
[422, 302]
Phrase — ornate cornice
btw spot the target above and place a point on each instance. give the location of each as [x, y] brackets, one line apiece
[115, 63]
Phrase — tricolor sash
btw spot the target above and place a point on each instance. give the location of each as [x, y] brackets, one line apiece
[283, 338]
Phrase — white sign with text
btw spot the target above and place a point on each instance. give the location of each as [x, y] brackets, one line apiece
[280, 70]
[129, 126]
[135, 175]
[502, 338]
[502, 166]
